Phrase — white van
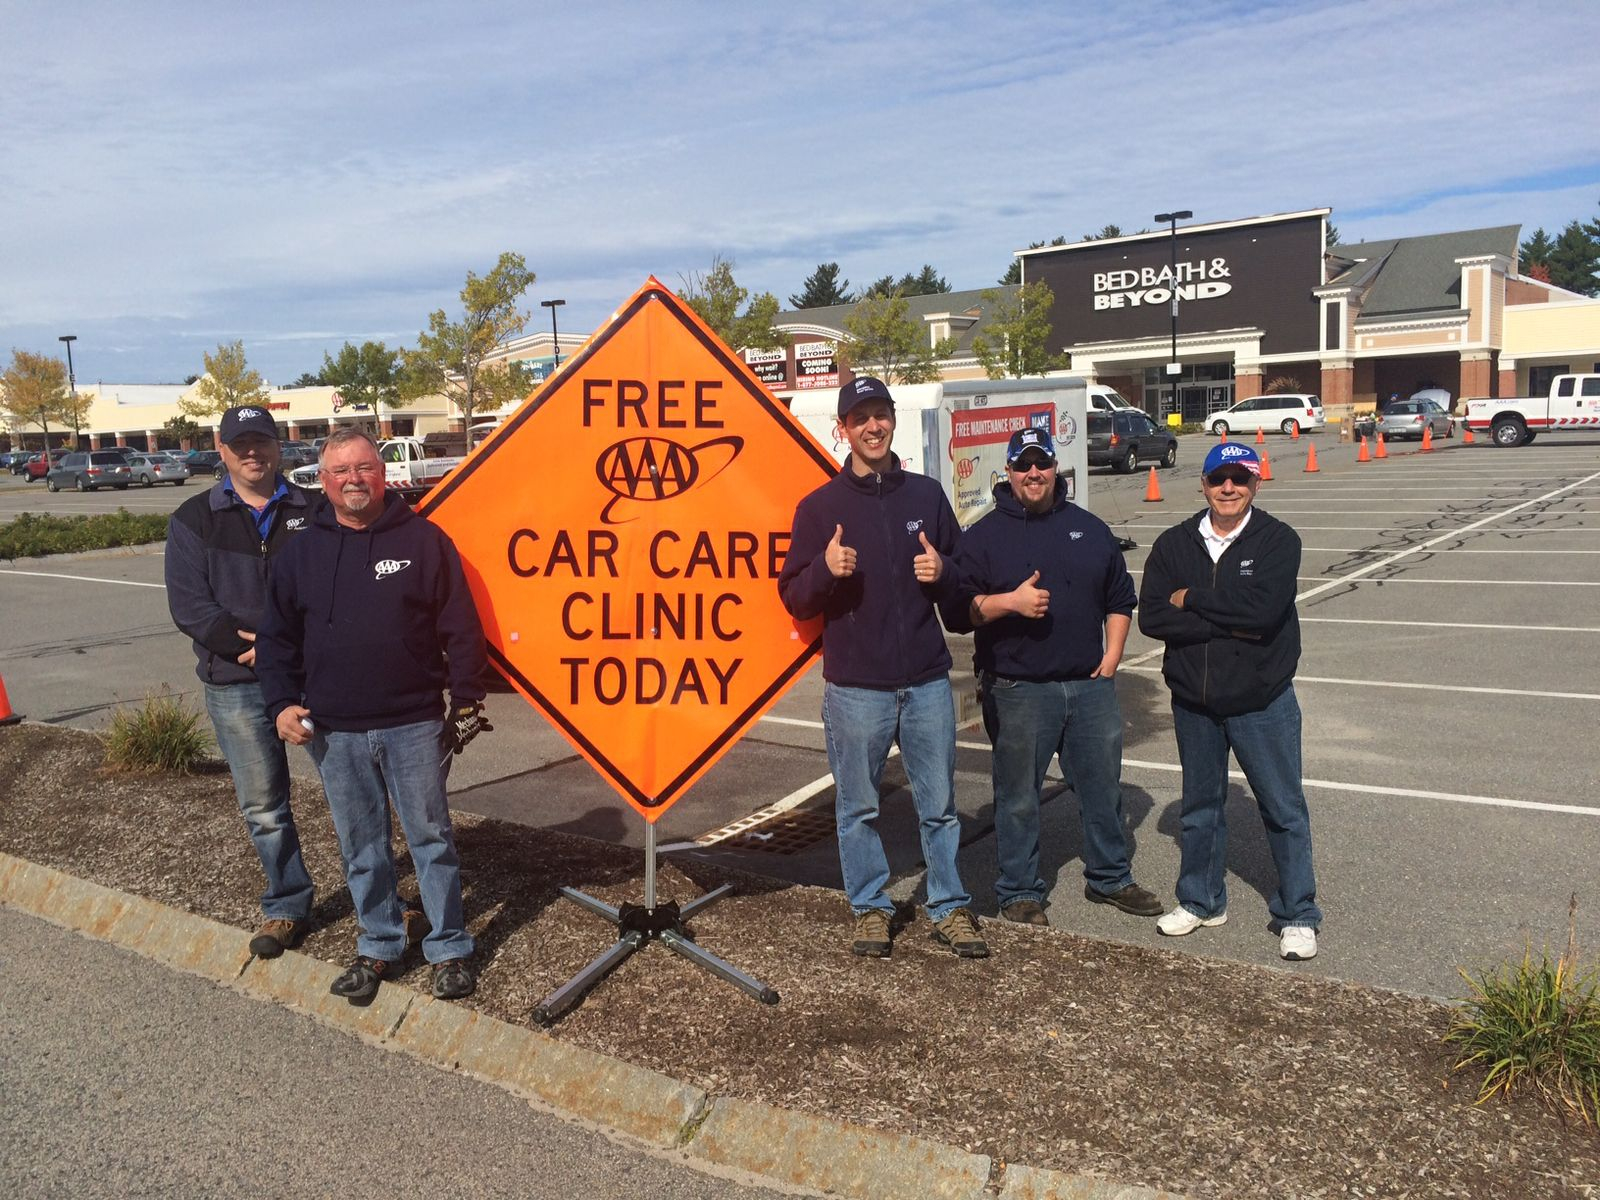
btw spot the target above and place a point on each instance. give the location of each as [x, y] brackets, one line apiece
[1281, 412]
[1104, 399]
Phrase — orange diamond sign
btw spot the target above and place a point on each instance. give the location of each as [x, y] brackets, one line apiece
[622, 534]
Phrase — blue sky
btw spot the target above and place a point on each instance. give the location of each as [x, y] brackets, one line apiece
[296, 175]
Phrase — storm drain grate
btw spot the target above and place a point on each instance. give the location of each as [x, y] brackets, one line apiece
[786, 833]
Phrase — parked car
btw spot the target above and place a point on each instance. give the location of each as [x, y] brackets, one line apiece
[39, 466]
[297, 454]
[20, 460]
[1125, 438]
[1281, 411]
[202, 460]
[88, 470]
[148, 469]
[1408, 418]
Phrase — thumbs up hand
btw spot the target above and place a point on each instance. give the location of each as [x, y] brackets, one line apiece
[1029, 599]
[841, 559]
[927, 565]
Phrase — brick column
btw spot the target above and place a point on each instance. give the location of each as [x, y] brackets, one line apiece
[1338, 385]
[386, 429]
[1246, 383]
[1477, 377]
[94, 441]
[152, 439]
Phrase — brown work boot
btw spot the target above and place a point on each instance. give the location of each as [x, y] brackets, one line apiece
[1131, 899]
[278, 934]
[416, 922]
[871, 934]
[959, 931]
[1025, 912]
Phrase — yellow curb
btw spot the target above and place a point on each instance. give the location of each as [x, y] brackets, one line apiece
[818, 1153]
[796, 1148]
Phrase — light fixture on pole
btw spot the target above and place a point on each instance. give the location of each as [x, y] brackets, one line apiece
[555, 337]
[72, 382]
[1174, 367]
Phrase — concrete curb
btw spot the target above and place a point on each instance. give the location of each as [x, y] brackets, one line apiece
[798, 1149]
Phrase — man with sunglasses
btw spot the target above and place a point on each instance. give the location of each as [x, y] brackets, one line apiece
[1044, 587]
[1219, 590]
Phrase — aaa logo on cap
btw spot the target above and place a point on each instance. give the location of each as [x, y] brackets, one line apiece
[1234, 450]
[653, 468]
[244, 414]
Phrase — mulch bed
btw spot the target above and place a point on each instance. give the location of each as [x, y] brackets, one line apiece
[1204, 1077]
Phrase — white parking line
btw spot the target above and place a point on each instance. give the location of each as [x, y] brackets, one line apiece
[1439, 550]
[1356, 582]
[82, 578]
[1414, 687]
[1432, 625]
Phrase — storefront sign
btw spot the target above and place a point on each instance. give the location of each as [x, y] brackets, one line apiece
[816, 365]
[770, 366]
[1202, 280]
[622, 534]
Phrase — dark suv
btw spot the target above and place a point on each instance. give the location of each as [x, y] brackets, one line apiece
[1127, 437]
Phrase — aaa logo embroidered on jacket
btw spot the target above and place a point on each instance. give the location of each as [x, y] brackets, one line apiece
[390, 566]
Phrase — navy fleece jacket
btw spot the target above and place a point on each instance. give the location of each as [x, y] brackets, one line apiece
[879, 629]
[367, 627]
[1079, 564]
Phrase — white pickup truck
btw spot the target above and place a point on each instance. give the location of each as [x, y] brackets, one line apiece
[1573, 404]
[410, 466]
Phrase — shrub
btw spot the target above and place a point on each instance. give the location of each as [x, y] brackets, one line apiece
[32, 535]
[1537, 1025]
[162, 734]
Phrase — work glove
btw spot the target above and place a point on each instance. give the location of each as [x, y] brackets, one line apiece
[464, 722]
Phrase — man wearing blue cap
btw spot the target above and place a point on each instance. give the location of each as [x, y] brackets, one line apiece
[868, 555]
[1044, 586]
[1219, 590]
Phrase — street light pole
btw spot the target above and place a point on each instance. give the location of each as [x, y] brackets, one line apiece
[555, 337]
[1174, 367]
[72, 382]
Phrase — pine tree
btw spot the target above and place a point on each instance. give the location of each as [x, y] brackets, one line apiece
[1536, 251]
[1014, 271]
[822, 289]
[1573, 261]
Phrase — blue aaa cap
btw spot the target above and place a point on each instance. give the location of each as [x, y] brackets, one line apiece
[859, 391]
[1232, 454]
[1024, 440]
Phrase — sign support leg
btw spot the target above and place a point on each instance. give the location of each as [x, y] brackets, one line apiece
[641, 925]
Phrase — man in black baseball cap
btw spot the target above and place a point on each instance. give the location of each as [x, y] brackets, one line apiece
[246, 418]
[860, 391]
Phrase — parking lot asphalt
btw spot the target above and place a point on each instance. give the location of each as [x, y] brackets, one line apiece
[1451, 634]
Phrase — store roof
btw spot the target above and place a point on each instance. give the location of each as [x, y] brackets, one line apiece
[917, 308]
[1419, 274]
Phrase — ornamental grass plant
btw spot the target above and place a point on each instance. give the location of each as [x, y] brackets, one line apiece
[1535, 1026]
[160, 734]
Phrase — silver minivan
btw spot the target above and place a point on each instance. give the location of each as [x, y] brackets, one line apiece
[1281, 412]
[87, 470]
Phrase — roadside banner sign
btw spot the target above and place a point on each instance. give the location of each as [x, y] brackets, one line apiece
[622, 533]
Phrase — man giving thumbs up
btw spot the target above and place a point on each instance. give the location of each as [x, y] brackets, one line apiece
[1044, 584]
[867, 554]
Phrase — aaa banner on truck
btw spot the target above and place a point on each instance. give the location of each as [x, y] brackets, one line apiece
[622, 534]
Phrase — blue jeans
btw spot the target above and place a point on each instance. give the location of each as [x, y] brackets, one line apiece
[1267, 745]
[861, 725]
[259, 763]
[1080, 721]
[361, 773]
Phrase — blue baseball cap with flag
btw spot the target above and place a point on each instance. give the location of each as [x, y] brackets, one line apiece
[1024, 440]
[1232, 454]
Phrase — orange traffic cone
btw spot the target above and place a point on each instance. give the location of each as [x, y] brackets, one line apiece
[1152, 490]
[1466, 436]
[1266, 469]
[1294, 432]
[1223, 435]
[1427, 437]
[1363, 456]
[7, 717]
[1261, 436]
[1383, 450]
[1311, 459]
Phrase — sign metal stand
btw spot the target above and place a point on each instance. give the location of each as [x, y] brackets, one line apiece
[641, 925]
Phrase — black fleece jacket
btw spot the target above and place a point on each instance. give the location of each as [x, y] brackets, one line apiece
[879, 629]
[367, 627]
[1234, 645]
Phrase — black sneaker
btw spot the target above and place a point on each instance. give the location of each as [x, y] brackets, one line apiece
[453, 979]
[1131, 899]
[361, 978]
[278, 934]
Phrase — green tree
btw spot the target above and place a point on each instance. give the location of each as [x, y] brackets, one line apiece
[1016, 338]
[366, 374]
[228, 381]
[1014, 271]
[883, 340]
[1332, 237]
[717, 297]
[1106, 231]
[823, 289]
[1573, 260]
[1536, 251]
[307, 379]
[878, 289]
[33, 390]
[926, 282]
[452, 358]
[75, 408]
[182, 428]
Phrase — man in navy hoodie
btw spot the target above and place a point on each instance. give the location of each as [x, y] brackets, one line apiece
[1043, 583]
[1219, 590]
[368, 620]
[868, 554]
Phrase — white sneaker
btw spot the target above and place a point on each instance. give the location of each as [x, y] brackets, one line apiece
[1181, 921]
[1297, 942]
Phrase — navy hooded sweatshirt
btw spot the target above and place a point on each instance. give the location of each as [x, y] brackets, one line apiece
[367, 627]
[1079, 564]
[879, 629]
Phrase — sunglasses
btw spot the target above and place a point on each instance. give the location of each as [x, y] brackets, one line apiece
[1239, 478]
[1032, 462]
